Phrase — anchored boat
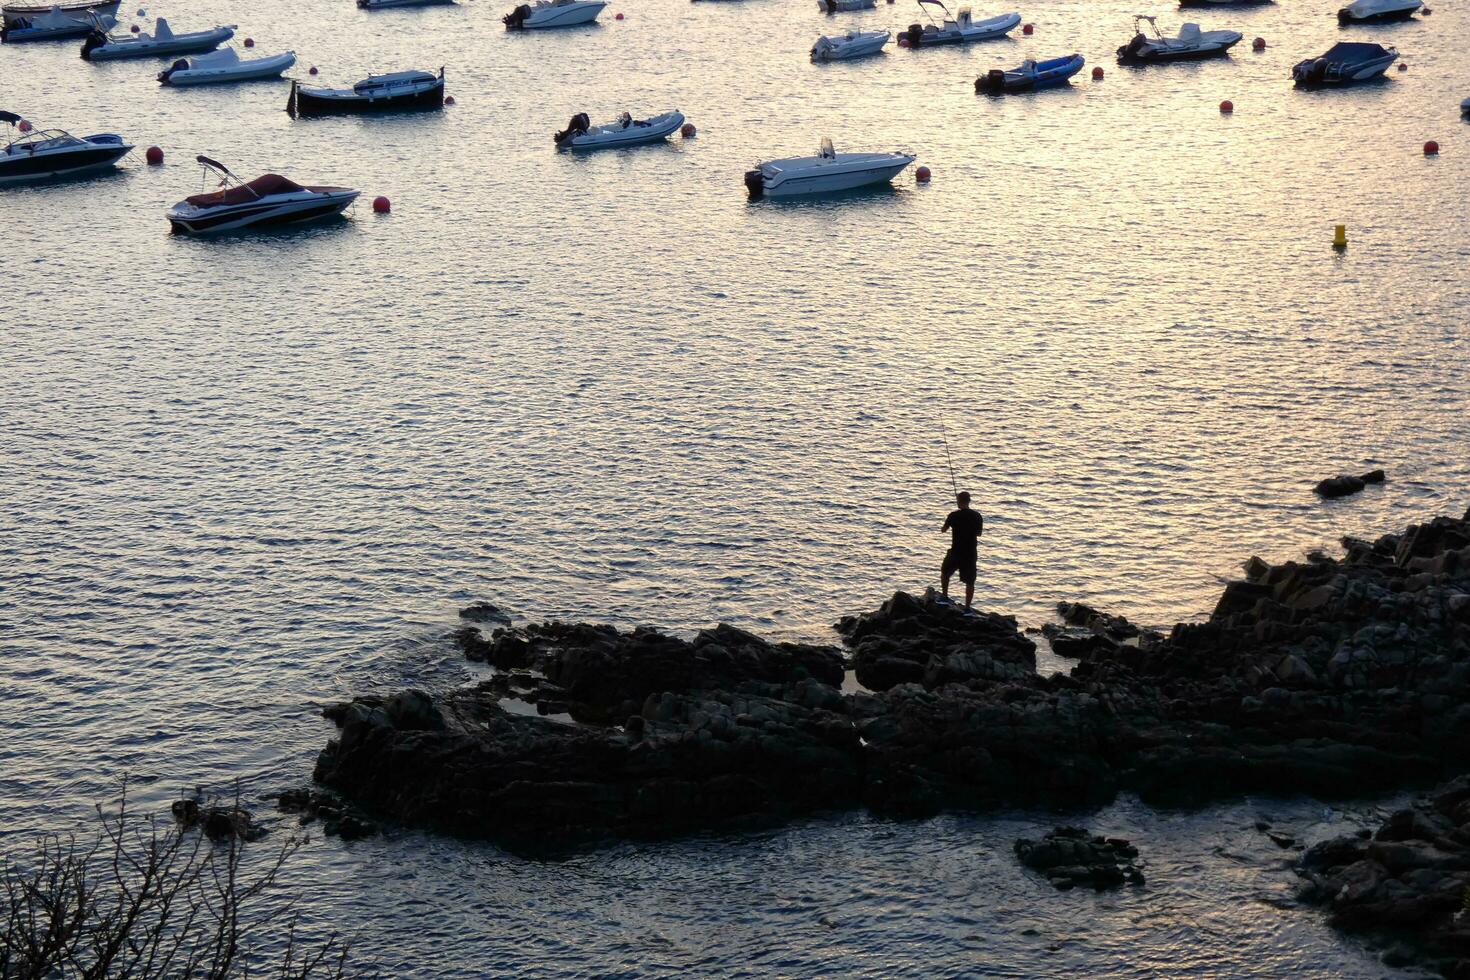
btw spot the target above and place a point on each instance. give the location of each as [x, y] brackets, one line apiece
[836, 6]
[853, 44]
[1191, 43]
[825, 173]
[55, 24]
[44, 154]
[1345, 64]
[553, 13]
[959, 28]
[1032, 75]
[627, 131]
[377, 93]
[102, 46]
[1377, 11]
[267, 200]
[223, 66]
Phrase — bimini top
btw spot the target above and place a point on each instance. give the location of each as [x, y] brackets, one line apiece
[1355, 51]
[250, 191]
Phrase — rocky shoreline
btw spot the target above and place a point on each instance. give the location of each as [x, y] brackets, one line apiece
[1335, 677]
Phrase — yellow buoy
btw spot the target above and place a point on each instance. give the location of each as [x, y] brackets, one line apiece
[1339, 236]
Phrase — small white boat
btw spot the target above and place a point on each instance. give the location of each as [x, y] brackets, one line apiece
[960, 28]
[387, 4]
[225, 65]
[1377, 11]
[49, 153]
[56, 24]
[837, 6]
[269, 199]
[553, 13]
[853, 44]
[824, 173]
[15, 11]
[1192, 43]
[627, 131]
[101, 46]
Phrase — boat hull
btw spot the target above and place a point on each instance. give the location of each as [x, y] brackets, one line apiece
[544, 18]
[660, 128]
[192, 44]
[1048, 74]
[28, 169]
[304, 104]
[22, 35]
[1163, 56]
[986, 30]
[848, 50]
[268, 68]
[822, 181]
[259, 214]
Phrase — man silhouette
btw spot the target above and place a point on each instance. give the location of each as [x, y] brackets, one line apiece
[965, 527]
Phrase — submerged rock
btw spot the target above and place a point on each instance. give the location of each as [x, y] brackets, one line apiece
[1069, 857]
[1343, 486]
[218, 823]
[484, 612]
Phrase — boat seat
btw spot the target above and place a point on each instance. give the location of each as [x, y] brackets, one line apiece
[250, 191]
[1189, 33]
[161, 30]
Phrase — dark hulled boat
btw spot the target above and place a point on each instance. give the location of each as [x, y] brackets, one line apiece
[403, 90]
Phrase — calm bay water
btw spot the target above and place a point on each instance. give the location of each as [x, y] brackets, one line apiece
[244, 477]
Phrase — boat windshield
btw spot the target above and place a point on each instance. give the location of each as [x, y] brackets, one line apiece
[46, 139]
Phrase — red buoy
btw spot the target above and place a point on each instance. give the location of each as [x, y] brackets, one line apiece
[1431, 148]
[1097, 73]
[381, 205]
[922, 175]
[618, 17]
[1425, 11]
[449, 100]
[1227, 106]
[154, 156]
[312, 70]
[250, 42]
[1259, 44]
[24, 126]
[134, 28]
[687, 130]
[1403, 66]
[1028, 29]
[903, 40]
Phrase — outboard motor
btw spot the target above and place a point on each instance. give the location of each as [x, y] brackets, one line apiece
[1343, 17]
[1133, 47]
[992, 81]
[94, 41]
[1318, 71]
[181, 65]
[576, 127]
[914, 32]
[755, 183]
[830, 6]
[516, 19]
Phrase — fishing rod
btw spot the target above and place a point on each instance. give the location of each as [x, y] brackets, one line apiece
[954, 485]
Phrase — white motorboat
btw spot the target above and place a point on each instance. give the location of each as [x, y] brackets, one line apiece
[553, 13]
[387, 4]
[267, 200]
[102, 46]
[1377, 11]
[960, 28]
[377, 93]
[1191, 43]
[56, 24]
[837, 6]
[853, 44]
[47, 153]
[225, 65]
[627, 131]
[824, 173]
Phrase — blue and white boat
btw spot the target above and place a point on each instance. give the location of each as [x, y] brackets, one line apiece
[552, 13]
[57, 24]
[627, 131]
[1344, 64]
[961, 28]
[50, 153]
[1031, 76]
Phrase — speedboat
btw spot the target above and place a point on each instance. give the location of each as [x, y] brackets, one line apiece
[1344, 64]
[1191, 43]
[225, 65]
[267, 200]
[553, 13]
[853, 44]
[385, 4]
[960, 28]
[55, 24]
[824, 173]
[1031, 76]
[43, 154]
[835, 6]
[1377, 11]
[101, 46]
[376, 93]
[627, 131]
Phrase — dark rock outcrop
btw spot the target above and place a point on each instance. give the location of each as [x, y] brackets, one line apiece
[337, 819]
[218, 823]
[1069, 857]
[1343, 486]
[484, 612]
[1409, 882]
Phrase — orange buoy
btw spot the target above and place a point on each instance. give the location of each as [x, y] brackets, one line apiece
[922, 175]
[1259, 44]
[1097, 73]
[1028, 29]
[449, 100]
[1431, 148]
[250, 42]
[24, 126]
[687, 130]
[381, 205]
[1227, 107]
[154, 156]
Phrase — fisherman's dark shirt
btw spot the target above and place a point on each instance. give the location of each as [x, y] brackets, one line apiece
[964, 527]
